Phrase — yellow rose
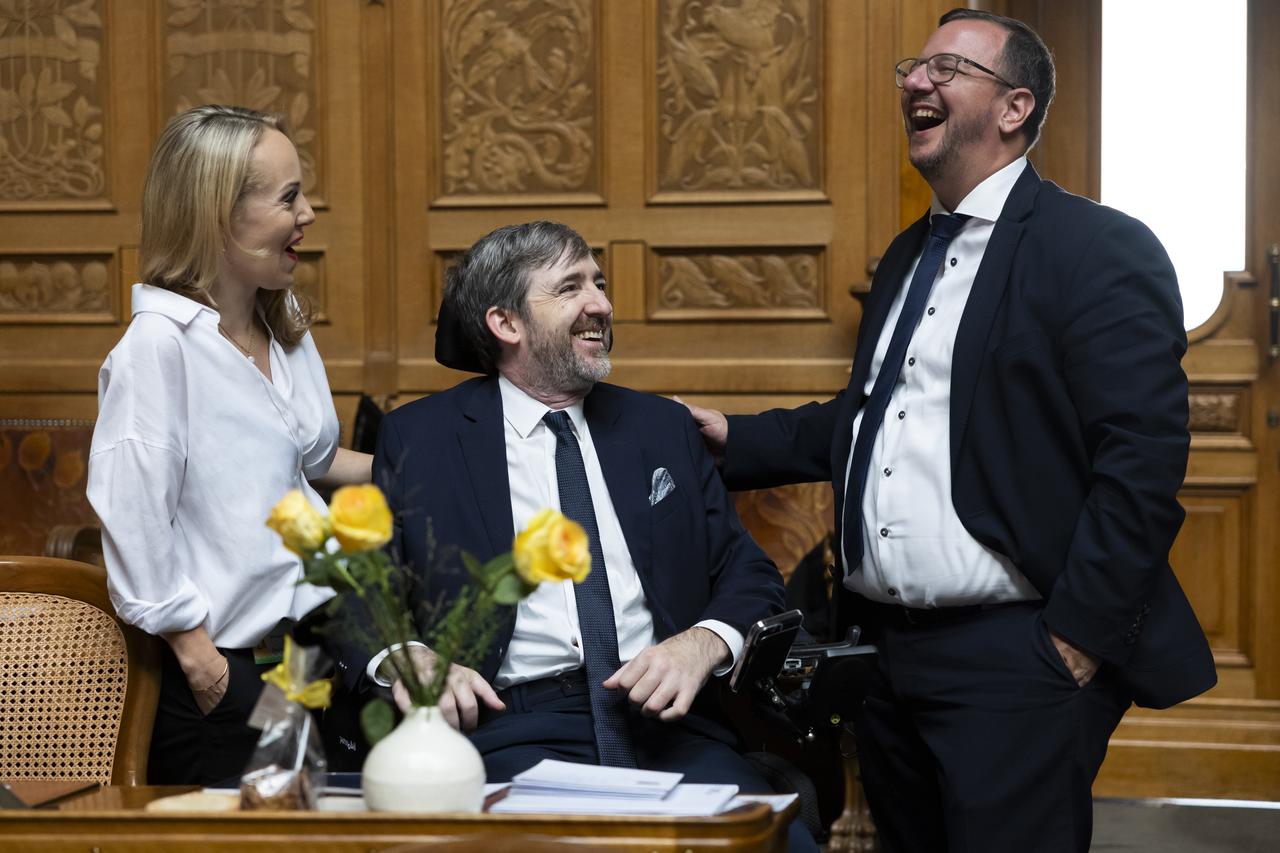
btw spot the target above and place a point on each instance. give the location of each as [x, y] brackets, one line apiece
[360, 517]
[552, 548]
[299, 525]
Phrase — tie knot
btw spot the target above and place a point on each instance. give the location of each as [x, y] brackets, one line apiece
[559, 424]
[945, 226]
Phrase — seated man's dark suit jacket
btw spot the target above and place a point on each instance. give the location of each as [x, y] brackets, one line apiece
[1068, 428]
[443, 459]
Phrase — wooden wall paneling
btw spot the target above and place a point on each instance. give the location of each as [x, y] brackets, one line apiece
[725, 284]
[339, 101]
[74, 122]
[917, 21]
[260, 54]
[739, 102]
[1264, 419]
[54, 75]
[1069, 151]
[626, 274]
[693, 354]
[414, 51]
[375, 139]
[517, 101]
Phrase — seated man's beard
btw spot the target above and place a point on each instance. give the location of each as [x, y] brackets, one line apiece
[561, 369]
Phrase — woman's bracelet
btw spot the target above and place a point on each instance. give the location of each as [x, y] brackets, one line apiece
[226, 668]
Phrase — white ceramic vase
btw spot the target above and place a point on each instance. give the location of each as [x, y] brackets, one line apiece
[425, 765]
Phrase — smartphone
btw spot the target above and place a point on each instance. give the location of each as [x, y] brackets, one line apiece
[768, 643]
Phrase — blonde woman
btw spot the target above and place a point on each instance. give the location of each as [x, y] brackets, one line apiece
[212, 406]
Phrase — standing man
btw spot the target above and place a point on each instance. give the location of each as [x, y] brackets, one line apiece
[610, 671]
[1006, 461]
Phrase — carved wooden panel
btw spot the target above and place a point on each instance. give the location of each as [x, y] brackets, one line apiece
[788, 521]
[518, 89]
[250, 53]
[51, 96]
[736, 283]
[1215, 411]
[58, 288]
[1207, 557]
[309, 278]
[738, 100]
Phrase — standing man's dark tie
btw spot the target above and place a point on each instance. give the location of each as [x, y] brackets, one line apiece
[595, 605]
[944, 228]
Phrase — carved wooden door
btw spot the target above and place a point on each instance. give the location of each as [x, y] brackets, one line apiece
[715, 153]
[1227, 555]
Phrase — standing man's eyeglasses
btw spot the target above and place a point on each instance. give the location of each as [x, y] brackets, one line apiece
[941, 68]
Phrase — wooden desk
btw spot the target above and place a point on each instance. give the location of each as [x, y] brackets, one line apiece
[111, 819]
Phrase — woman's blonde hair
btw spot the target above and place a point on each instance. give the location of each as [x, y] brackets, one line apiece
[199, 173]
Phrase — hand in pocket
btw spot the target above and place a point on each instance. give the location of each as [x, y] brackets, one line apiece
[208, 697]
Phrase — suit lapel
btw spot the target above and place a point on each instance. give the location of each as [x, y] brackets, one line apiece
[622, 463]
[984, 300]
[890, 273]
[483, 445]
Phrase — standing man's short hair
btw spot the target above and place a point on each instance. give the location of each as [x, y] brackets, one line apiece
[494, 273]
[1026, 61]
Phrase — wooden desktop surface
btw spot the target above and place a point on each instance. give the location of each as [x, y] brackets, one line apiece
[112, 819]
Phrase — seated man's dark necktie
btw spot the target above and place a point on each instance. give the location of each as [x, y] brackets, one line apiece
[944, 228]
[595, 605]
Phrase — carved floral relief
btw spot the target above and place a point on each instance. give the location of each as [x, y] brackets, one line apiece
[738, 95]
[50, 101]
[518, 81]
[249, 53]
[32, 289]
[1210, 412]
[732, 282]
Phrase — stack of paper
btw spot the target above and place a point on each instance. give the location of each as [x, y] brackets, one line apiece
[560, 787]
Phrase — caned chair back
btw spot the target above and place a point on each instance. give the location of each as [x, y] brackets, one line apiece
[78, 688]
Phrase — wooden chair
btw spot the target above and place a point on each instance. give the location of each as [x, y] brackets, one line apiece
[78, 688]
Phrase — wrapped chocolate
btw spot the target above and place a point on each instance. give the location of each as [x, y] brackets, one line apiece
[288, 765]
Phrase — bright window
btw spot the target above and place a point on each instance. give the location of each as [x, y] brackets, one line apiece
[1173, 133]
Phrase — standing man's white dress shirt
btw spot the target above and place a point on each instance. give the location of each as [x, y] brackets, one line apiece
[916, 552]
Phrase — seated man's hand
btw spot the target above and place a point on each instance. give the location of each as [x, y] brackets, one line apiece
[664, 679]
[464, 689]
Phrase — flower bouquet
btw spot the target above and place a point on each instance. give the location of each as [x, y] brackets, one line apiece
[344, 551]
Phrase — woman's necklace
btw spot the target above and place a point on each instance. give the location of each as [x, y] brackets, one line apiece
[248, 351]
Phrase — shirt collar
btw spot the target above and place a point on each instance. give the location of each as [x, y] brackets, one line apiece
[525, 413]
[147, 298]
[986, 200]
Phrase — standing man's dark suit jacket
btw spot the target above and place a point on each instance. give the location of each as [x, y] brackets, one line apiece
[1068, 428]
[443, 458]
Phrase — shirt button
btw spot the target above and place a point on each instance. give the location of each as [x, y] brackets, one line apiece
[575, 642]
[901, 415]
[931, 310]
[893, 592]
[953, 262]
[884, 532]
[888, 471]
[911, 362]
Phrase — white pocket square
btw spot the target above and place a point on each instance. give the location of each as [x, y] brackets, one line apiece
[662, 486]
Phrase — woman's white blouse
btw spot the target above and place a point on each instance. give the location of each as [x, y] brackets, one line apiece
[192, 448]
